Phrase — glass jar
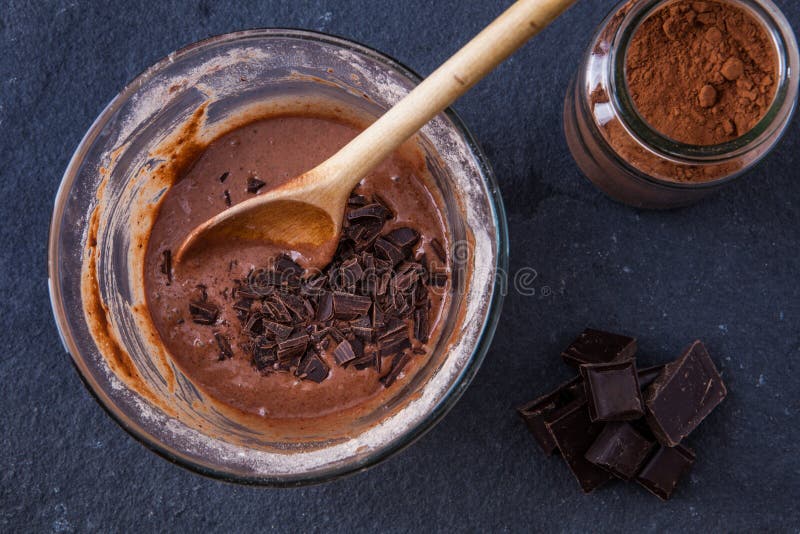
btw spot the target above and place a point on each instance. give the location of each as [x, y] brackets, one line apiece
[635, 164]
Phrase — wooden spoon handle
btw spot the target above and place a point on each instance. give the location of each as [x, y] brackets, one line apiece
[520, 22]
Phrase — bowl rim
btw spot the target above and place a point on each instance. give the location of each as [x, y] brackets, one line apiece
[459, 384]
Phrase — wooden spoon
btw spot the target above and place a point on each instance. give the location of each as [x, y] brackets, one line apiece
[306, 212]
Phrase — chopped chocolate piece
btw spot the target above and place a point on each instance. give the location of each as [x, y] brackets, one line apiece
[382, 201]
[203, 312]
[343, 353]
[264, 355]
[364, 362]
[356, 201]
[613, 391]
[387, 251]
[393, 344]
[437, 247]
[277, 330]
[536, 412]
[648, 375]
[254, 184]
[166, 265]
[421, 325]
[687, 390]
[226, 194]
[403, 237]
[573, 431]
[325, 307]
[358, 347]
[370, 211]
[224, 345]
[350, 272]
[287, 266]
[347, 306]
[620, 449]
[397, 367]
[292, 347]
[438, 278]
[596, 346]
[314, 369]
[255, 324]
[223, 177]
[661, 474]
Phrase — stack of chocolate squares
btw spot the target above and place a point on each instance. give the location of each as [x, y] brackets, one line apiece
[614, 420]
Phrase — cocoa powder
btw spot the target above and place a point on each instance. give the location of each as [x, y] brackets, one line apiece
[701, 73]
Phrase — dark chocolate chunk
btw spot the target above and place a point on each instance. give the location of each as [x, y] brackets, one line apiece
[384, 249]
[227, 196]
[276, 330]
[370, 211]
[264, 354]
[356, 201]
[438, 278]
[292, 347]
[314, 369]
[224, 345]
[648, 375]
[382, 201]
[620, 449]
[325, 307]
[661, 474]
[350, 272]
[343, 353]
[391, 345]
[438, 248]
[223, 177]
[203, 312]
[536, 411]
[574, 432]
[403, 237]
[254, 184]
[166, 265]
[347, 306]
[397, 367]
[421, 325]
[687, 390]
[364, 362]
[613, 391]
[596, 346]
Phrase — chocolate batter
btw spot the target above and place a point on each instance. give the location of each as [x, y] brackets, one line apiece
[272, 150]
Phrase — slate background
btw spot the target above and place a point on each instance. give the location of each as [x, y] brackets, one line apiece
[725, 271]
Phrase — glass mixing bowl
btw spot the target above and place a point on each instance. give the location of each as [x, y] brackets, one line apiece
[93, 238]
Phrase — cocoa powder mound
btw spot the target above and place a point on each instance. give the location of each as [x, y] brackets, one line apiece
[701, 73]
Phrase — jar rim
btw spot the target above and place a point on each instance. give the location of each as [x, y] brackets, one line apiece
[784, 42]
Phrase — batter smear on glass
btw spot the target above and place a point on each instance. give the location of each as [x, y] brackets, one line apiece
[258, 329]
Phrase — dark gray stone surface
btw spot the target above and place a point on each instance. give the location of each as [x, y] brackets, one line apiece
[724, 271]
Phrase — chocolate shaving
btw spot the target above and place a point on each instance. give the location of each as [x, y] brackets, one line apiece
[166, 265]
[203, 312]
[397, 367]
[344, 353]
[223, 177]
[224, 345]
[314, 369]
[421, 325]
[226, 194]
[348, 306]
[403, 237]
[437, 247]
[254, 184]
[370, 211]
